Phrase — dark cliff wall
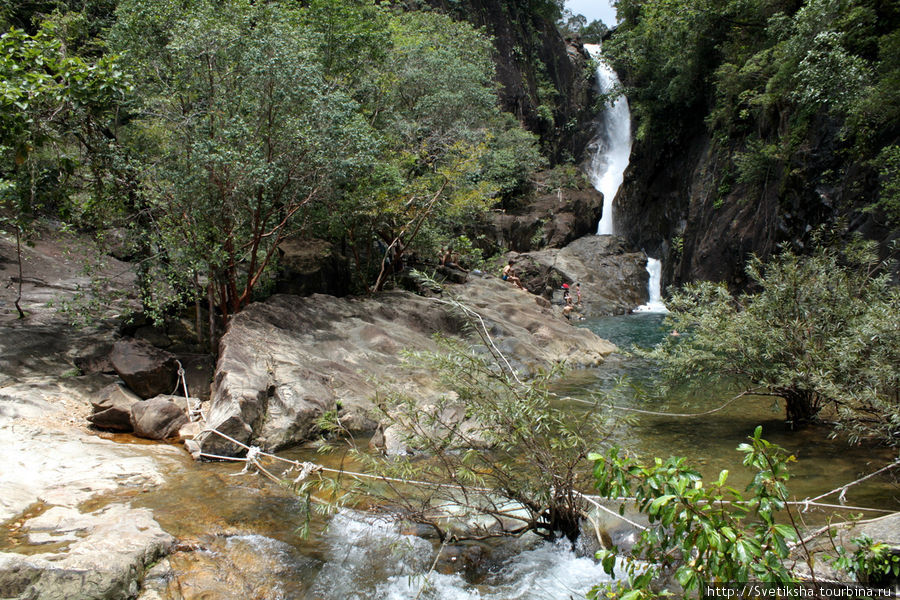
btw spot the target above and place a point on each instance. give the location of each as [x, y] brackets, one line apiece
[682, 203]
[544, 81]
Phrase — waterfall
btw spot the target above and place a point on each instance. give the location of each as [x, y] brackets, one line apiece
[654, 288]
[611, 149]
[611, 145]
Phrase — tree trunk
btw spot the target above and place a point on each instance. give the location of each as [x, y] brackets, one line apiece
[801, 406]
[19, 261]
[211, 303]
[198, 321]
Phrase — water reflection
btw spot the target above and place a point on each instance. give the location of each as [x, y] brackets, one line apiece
[710, 441]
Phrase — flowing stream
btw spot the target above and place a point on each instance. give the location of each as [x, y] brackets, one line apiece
[244, 530]
[240, 534]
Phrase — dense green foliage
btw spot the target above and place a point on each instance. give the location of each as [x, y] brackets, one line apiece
[773, 79]
[55, 107]
[247, 123]
[819, 332]
[707, 532]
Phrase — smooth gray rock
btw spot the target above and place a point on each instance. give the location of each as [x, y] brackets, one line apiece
[147, 370]
[612, 275]
[159, 418]
[95, 556]
[286, 361]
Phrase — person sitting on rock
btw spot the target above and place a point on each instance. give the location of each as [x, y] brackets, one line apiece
[509, 274]
[450, 258]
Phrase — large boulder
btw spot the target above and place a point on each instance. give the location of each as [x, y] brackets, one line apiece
[311, 266]
[147, 370]
[159, 418]
[198, 374]
[112, 408]
[551, 220]
[95, 556]
[286, 361]
[613, 276]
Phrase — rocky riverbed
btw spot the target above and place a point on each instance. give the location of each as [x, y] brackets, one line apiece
[73, 523]
[70, 529]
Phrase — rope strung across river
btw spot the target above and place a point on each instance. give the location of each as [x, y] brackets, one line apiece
[654, 412]
[307, 468]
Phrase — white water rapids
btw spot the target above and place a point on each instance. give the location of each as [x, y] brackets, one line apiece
[363, 551]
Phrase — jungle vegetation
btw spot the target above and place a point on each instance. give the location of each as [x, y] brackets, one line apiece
[212, 131]
[787, 89]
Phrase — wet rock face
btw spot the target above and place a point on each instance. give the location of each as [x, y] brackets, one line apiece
[95, 556]
[613, 276]
[147, 370]
[286, 361]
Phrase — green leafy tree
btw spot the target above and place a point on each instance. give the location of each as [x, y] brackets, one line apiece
[448, 154]
[55, 108]
[238, 133]
[819, 331]
[594, 32]
[706, 532]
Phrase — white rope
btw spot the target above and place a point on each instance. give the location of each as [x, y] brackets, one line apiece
[252, 458]
[298, 464]
[307, 468]
[610, 511]
[843, 489]
[179, 378]
[487, 334]
[654, 412]
[187, 394]
[193, 406]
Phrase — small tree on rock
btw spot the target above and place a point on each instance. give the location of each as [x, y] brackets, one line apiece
[819, 331]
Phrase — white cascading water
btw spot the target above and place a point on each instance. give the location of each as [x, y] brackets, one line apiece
[611, 148]
[611, 145]
[367, 558]
[654, 287]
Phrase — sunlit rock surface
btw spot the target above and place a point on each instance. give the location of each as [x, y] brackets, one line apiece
[286, 361]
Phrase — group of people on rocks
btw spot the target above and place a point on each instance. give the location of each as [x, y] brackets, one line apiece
[448, 258]
[570, 302]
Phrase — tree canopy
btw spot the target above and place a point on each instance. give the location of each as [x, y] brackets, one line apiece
[213, 131]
